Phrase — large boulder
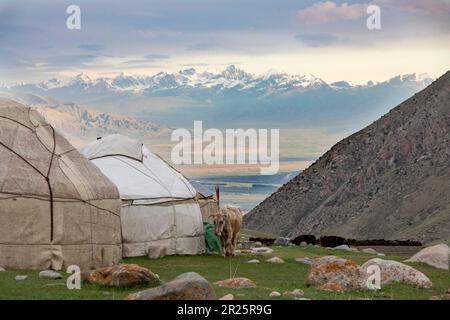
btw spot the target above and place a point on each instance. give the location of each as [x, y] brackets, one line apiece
[236, 283]
[336, 274]
[394, 271]
[437, 256]
[187, 286]
[123, 275]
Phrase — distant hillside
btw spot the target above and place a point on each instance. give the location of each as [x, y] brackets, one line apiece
[390, 180]
[81, 123]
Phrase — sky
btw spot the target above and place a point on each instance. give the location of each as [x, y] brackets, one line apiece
[329, 39]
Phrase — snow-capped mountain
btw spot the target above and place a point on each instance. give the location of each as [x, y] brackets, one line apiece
[232, 78]
[233, 96]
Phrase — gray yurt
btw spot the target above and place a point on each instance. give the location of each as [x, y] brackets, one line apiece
[56, 208]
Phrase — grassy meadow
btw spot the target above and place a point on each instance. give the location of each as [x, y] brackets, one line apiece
[268, 277]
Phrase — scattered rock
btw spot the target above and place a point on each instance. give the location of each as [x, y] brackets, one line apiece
[21, 277]
[2, 269]
[380, 254]
[49, 274]
[187, 286]
[437, 256]
[303, 244]
[262, 250]
[281, 241]
[305, 260]
[336, 274]
[253, 261]
[353, 249]
[275, 294]
[243, 251]
[435, 298]
[245, 245]
[227, 297]
[236, 283]
[369, 251]
[257, 244]
[394, 271]
[295, 293]
[275, 260]
[123, 275]
[342, 247]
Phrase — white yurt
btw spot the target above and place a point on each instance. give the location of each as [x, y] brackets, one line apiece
[159, 215]
[56, 208]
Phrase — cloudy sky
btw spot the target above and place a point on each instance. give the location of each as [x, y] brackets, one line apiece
[326, 38]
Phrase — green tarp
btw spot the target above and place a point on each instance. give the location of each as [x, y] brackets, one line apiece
[211, 241]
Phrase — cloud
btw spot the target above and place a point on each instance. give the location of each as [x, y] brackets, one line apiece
[326, 12]
[154, 56]
[91, 47]
[427, 6]
[317, 39]
[201, 46]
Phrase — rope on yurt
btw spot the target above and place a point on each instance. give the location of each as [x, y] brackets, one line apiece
[47, 178]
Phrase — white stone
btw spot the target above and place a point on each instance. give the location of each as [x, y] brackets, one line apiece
[253, 261]
[369, 251]
[262, 250]
[305, 260]
[297, 293]
[49, 274]
[275, 260]
[343, 247]
[437, 256]
[21, 277]
[275, 294]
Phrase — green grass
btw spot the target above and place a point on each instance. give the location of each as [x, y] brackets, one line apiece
[268, 277]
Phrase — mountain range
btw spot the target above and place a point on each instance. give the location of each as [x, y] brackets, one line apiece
[390, 180]
[233, 96]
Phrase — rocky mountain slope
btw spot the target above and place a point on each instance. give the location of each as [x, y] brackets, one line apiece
[390, 180]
